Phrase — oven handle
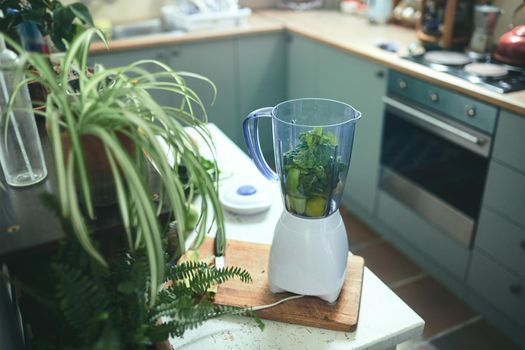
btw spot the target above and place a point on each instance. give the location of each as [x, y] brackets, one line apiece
[412, 112]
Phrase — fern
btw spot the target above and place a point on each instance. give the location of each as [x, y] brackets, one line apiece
[109, 307]
[79, 296]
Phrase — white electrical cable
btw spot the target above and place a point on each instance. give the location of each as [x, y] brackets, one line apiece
[263, 307]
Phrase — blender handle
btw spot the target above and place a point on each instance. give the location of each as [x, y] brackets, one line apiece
[250, 127]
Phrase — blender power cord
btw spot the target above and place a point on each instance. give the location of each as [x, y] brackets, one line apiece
[263, 307]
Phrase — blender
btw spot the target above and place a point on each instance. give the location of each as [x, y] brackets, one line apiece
[312, 140]
[481, 42]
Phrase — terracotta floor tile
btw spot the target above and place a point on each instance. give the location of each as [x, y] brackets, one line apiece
[358, 232]
[435, 304]
[388, 263]
[415, 345]
[479, 335]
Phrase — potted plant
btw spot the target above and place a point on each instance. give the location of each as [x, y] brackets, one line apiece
[57, 22]
[137, 295]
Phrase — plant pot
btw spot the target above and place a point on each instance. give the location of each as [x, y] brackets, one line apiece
[99, 170]
[164, 345]
[38, 94]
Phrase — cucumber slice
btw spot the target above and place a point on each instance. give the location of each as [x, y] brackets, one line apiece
[292, 181]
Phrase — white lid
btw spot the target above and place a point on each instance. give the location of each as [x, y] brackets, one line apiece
[244, 197]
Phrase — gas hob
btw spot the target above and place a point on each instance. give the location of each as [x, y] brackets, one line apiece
[512, 80]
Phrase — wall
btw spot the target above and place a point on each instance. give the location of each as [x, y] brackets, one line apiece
[120, 11]
[505, 19]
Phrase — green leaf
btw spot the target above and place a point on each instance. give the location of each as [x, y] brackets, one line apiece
[81, 11]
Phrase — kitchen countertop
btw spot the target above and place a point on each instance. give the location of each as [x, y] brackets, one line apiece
[346, 32]
[384, 319]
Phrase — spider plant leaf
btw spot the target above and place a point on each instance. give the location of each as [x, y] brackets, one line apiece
[121, 196]
[77, 220]
[144, 208]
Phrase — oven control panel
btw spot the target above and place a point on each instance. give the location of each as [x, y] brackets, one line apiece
[455, 105]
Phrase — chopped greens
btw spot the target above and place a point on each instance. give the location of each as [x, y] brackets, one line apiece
[312, 173]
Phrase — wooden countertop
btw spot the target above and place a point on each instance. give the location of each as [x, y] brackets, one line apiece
[346, 32]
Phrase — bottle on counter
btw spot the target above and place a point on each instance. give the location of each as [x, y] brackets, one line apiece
[21, 155]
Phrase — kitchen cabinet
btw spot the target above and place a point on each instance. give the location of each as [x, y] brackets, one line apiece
[498, 286]
[216, 60]
[323, 71]
[302, 67]
[505, 192]
[510, 142]
[120, 58]
[262, 81]
[361, 84]
[497, 270]
[502, 239]
[249, 72]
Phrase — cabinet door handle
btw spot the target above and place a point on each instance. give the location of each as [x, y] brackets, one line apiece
[402, 84]
[380, 74]
[515, 289]
[175, 53]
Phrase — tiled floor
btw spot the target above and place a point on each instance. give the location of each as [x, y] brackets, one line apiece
[450, 323]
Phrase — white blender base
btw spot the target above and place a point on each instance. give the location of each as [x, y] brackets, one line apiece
[309, 256]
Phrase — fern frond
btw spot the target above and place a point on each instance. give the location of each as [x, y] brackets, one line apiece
[81, 301]
[201, 277]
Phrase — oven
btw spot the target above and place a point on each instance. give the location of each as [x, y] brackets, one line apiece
[435, 153]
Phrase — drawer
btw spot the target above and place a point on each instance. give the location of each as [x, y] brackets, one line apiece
[498, 286]
[467, 110]
[502, 239]
[423, 236]
[509, 143]
[505, 192]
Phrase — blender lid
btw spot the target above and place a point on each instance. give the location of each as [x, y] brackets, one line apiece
[244, 197]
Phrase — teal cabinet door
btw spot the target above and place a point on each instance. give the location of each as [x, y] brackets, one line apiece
[302, 67]
[112, 59]
[361, 84]
[262, 75]
[216, 61]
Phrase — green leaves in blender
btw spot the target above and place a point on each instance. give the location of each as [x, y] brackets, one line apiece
[312, 173]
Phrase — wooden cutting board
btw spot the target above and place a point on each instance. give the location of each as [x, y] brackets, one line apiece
[307, 311]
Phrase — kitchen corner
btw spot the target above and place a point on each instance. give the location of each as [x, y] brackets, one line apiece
[434, 196]
[353, 34]
[335, 55]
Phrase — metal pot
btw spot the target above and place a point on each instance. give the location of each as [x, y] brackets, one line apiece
[511, 45]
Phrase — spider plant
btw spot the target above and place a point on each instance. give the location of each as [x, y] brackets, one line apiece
[108, 104]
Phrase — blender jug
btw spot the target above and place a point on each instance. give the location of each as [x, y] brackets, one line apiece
[312, 140]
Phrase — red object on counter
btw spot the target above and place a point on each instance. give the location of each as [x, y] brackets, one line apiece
[511, 47]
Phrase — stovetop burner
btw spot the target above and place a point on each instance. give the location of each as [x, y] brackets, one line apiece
[486, 70]
[513, 80]
[448, 58]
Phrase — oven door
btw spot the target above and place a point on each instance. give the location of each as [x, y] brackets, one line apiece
[435, 166]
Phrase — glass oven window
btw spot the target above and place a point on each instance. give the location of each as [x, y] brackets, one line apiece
[450, 172]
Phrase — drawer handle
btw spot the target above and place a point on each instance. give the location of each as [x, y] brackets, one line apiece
[402, 84]
[515, 289]
[432, 96]
[470, 111]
